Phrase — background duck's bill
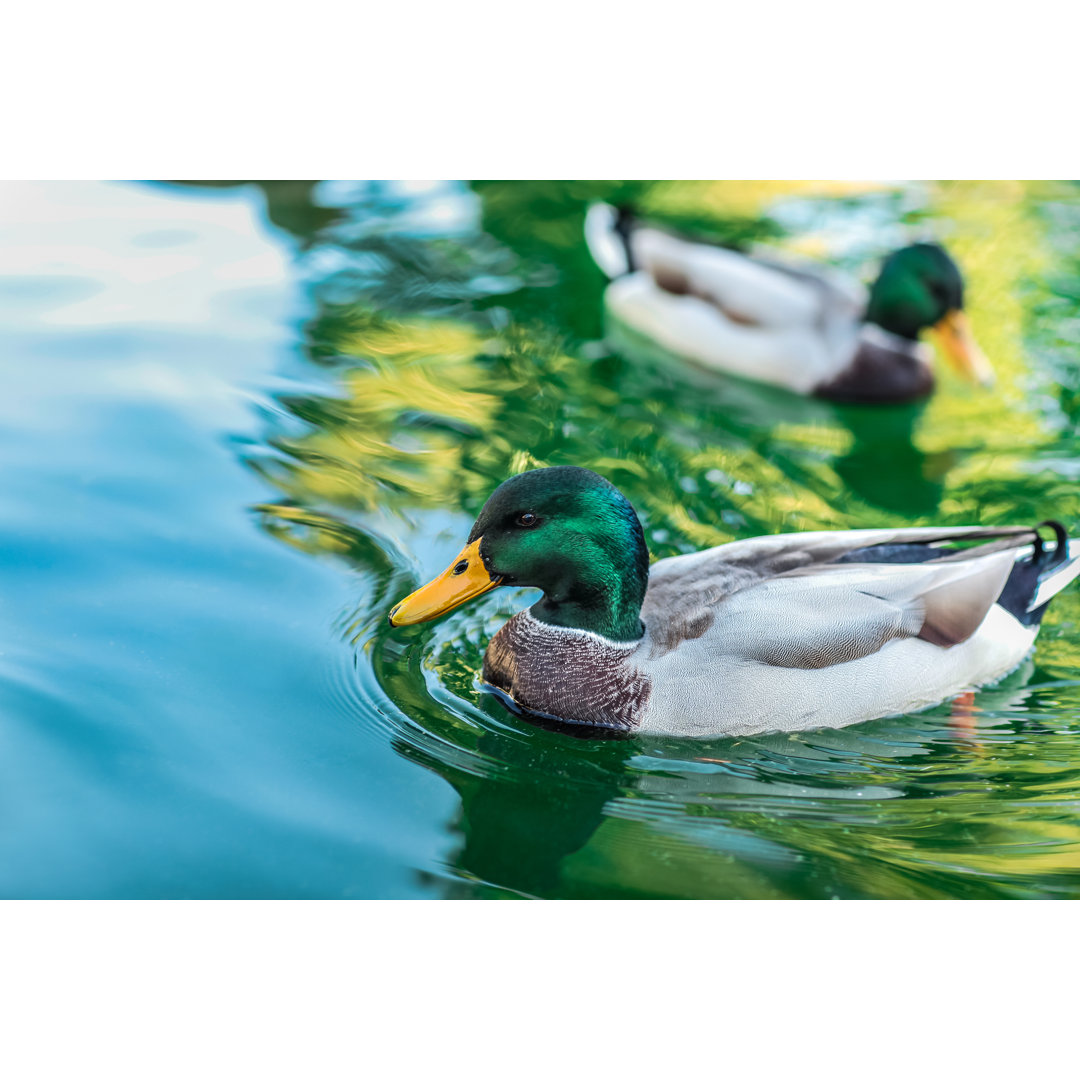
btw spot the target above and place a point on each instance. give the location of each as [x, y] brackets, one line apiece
[953, 335]
[463, 579]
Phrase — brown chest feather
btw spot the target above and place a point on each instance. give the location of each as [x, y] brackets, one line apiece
[877, 373]
[565, 674]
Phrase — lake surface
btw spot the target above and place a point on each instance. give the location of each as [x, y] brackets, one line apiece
[241, 421]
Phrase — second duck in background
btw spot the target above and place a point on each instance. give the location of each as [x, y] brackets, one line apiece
[800, 326]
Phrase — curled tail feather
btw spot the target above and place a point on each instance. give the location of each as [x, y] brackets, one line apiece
[1035, 581]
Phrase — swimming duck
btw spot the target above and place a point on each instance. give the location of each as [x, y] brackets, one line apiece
[800, 326]
[785, 632]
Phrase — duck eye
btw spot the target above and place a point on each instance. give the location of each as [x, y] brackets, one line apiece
[526, 520]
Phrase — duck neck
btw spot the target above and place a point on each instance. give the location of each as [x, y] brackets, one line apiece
[599, 591]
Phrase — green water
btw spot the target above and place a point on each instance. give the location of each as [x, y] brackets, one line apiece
[224, 468]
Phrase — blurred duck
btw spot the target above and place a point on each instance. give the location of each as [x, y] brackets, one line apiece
[787, 632]
[799, 326]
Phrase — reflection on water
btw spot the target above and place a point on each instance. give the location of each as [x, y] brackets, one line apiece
[454, 335]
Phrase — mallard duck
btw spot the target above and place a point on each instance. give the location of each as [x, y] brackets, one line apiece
[800, 326]
[786, 632]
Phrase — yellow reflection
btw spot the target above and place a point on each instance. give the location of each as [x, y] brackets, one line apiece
[748, 198]
[999, 243]
[388, 436]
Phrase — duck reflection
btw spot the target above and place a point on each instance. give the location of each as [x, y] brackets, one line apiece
[873, 450]
[516, 835]
[653, 819]
[885, 467]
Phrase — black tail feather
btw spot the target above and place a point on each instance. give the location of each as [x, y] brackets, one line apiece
[1025, 578]
[625, 223]
[1026, 575]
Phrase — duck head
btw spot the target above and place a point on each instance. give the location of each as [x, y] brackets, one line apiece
[564, 530]
[920, 288]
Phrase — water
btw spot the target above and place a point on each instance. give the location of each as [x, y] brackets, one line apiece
[240, 421]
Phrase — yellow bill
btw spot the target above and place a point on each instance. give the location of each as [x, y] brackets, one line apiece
[463, 579]
[955, 339]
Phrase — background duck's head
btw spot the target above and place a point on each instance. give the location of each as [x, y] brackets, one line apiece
[564, 530]
[919, 288]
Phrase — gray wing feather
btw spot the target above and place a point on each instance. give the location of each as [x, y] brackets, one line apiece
[766, 556]
[790, 623]
[785, 601]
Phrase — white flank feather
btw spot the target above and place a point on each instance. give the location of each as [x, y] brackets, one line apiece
[1057, 579]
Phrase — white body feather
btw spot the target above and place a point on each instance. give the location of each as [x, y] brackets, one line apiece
[699, 690]
[791, 356]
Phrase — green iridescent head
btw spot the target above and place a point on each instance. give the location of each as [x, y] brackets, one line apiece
[917, 287]
[921, 288]
[564, 530]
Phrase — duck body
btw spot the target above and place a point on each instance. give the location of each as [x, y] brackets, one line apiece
[775, 633]
[779, 321]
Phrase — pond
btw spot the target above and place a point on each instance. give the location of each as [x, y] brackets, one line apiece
[242, 420]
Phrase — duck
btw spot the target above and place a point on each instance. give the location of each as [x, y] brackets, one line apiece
[793, 324]
[785, 632]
